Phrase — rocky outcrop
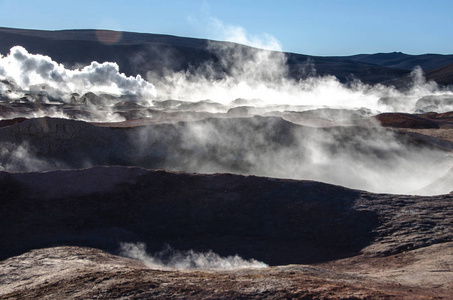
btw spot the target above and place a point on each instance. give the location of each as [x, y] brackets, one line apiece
[272, 220]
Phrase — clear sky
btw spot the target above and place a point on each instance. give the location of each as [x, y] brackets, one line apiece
[316, 27]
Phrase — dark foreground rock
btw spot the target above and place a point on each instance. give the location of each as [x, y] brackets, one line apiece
[365, 245]
[271, 220]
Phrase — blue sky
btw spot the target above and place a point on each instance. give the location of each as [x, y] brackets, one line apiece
[323, 27]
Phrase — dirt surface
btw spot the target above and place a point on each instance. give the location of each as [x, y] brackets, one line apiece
[425, 268]
[82, 273]
[358, 245]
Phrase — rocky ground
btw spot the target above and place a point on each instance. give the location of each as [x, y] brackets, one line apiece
[116, 187]
[350, 155]
[357, 244]
[65, 210]
[82, 273]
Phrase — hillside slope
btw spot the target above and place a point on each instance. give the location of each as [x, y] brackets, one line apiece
[442, 75]
[138, 53]
[404, 61]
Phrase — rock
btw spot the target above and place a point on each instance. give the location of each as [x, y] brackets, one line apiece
[127, 105]
[9, 122]
[91, 98]
[400, 120]
[240, 111]
[167, 104]
[438, 103]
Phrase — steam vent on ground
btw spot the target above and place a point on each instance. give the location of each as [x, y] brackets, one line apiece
[152, 166]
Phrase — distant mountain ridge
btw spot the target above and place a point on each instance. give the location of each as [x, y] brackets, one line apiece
[138, 53]
[404, 61]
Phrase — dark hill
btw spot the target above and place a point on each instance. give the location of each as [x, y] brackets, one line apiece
[404, 61]
[442, 75]
[138, 53]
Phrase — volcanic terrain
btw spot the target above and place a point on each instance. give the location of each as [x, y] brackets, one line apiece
[270, 175]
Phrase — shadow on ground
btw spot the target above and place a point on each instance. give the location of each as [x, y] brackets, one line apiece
[274, 221]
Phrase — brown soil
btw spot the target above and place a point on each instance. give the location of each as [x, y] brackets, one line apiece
[82, 273]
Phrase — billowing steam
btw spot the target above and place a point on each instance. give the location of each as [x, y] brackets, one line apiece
[245, 105]
[39, 73]
[373, 159]
[19, 158]
[259, 77]
[264, 76]
[238, 34]
[169, 258]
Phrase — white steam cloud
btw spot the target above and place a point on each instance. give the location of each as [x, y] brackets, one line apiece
[244, 82]
[20, 158]
[169, 258]
[263, 75]
[35, 72]
[238, 34]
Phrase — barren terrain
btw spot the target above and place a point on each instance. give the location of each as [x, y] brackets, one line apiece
[75, 272]
[359, 245]
[223, 171]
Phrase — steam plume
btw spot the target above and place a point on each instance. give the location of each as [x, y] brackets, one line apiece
[169, 258]
[238, 34]
[254, 82]
[260, 74]
[38, 72]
